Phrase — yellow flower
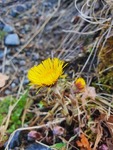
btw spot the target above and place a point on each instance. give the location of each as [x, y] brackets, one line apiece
[46, 73]
[80, 83]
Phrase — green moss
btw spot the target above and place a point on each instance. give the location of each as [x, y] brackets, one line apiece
[4, 105]
[105, 67]
[16, 115]
[2, 35]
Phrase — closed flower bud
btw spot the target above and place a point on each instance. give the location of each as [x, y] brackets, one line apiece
[80, 83]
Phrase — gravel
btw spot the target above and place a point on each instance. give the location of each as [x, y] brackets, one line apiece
[21, 21]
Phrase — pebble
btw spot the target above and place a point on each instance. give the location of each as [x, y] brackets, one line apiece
[47, 5]
[16, 81]
[15, 61]
[35, 57]
[27, 27]
[22, 70]
[7, 28]
[22, 62]
[26, 81]
[13, 85]
[28, 53]
[20, 8]
[12, 40]
[7, 92]
[28, 6]
[14, 12]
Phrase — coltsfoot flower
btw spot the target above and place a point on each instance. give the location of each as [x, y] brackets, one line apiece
[46, 73]
[80, 83]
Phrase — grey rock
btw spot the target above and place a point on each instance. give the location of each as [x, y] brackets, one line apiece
[15, 61]
[22, 62]
[28, 53]
[26, 81]
[36, 57]
[7, 92]
[22, 70]
[16, 81]
[12, 40]
[13, 85]
[21, 8]
[28, 6]
[27, 27]
[14, 12]
[7, 28]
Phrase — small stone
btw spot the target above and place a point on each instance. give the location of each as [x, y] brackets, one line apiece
[18, 24]
[12, 40]
[22, 41]
[21, 8]
[26, 81]
[13, 85]
[28, 6]
[7, 92]
[47, 5]
[7, 28]
[36, 57]
[28, 53]
[22, 62]
[16, 81]
[14, 13]
[22, 70]
[15, 61]
[27, 28]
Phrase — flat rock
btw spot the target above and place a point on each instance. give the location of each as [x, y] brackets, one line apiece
[12, 40]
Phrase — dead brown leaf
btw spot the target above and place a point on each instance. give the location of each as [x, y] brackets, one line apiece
[3, 79]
